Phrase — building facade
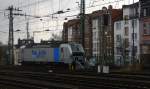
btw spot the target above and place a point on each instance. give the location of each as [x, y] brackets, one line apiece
[144, 8]
[103, 34]
[123, 42]
[145, 31]
[127, 36]
[145, 40]
[71, 31]
[120, 36]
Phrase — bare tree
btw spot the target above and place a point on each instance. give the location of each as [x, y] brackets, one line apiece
[56, 37]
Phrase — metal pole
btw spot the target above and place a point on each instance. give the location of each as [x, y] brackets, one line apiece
[33, 35]
[11, 36]
[82, 20]
[133, 52]
[27, 28]
[103, 42]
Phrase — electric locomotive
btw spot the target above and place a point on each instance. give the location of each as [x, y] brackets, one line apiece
[70, 54]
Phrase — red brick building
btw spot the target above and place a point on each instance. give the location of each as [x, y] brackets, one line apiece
[145, 40]
[145, 32]
[72, 33]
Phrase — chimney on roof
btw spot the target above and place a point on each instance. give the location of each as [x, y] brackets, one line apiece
[110, 7]
[104, 8]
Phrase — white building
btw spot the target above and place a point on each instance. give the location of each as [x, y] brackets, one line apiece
[95, 38]
[123, 41]
[124, 32]
[103, 34]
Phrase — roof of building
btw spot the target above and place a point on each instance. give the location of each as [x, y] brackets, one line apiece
[131, 5]
[75, 21]
[102, 12]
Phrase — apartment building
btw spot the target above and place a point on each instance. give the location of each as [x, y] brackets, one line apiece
[103, 34]
[145, 31]
[127, 36]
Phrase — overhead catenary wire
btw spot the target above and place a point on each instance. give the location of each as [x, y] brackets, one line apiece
[96, 5]
[3, 32]
[34, 3]
[89, 6]
[61, 17]
[38, 20]
[74, 9]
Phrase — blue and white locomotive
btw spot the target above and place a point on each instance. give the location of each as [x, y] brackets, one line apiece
[65, 53]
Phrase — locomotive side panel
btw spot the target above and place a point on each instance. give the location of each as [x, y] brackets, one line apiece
[40, 54]
[56, 55]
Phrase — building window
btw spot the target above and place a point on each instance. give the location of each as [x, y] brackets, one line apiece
[126, 31]
[145, 49]
[135, 23]
[137, 11]
[70, 34]
[144, 12]
[126, 43]
[146, 27]
[118, 38]
[70, 31]
[135, 49]
[119, 51]
[74, 31]
[119, 60]
[135, 36]
[118, 25]
[94, 36]
[126, 18]
[78, 32]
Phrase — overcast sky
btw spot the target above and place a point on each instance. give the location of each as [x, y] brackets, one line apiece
[45, 8]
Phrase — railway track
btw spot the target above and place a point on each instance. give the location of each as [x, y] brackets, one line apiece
[24, 81]
[79, 81]
[72, 80]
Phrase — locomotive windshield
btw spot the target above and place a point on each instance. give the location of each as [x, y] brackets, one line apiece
[77, 48]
